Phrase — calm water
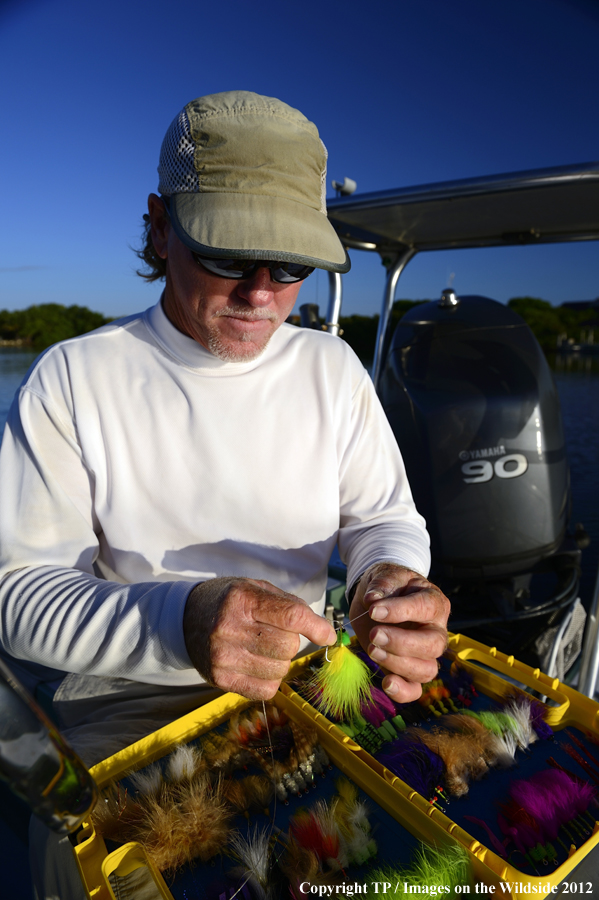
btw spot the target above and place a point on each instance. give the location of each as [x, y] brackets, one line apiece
[13, 366]
[578, 385]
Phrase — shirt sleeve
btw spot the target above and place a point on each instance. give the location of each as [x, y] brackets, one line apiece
[378, 519]
[53, 609]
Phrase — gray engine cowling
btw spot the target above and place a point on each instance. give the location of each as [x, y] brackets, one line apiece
[474, 408]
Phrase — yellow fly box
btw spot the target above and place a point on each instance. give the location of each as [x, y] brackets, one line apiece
[495, 677]
[101, 867]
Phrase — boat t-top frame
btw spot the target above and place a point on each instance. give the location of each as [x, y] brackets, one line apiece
[522, 208]
[536, 207]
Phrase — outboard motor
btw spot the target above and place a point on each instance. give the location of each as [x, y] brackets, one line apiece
[474, 408]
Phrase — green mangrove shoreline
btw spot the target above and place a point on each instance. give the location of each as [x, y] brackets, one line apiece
[37, 327]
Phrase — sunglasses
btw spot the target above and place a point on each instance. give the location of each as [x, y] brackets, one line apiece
[281, 272]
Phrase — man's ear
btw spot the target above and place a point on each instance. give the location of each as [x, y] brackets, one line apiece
[159, 225]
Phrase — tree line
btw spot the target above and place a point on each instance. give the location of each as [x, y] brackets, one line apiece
[40, 326]
[37, 327]
[547, 323]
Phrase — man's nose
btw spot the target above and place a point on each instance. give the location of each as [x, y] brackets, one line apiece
[257, 290]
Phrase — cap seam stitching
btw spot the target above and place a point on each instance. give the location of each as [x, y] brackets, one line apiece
[306, 126]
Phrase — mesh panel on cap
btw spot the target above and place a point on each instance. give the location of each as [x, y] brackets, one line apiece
[176, 170]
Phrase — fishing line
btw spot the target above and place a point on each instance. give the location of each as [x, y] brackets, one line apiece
[274, 813]
[339, 628]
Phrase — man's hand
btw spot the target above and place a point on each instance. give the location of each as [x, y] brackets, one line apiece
[413, 632]
[241, 634]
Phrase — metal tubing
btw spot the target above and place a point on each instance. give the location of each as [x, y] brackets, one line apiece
[589, 667]
[335, 296]
[393, 274]
[551, 667]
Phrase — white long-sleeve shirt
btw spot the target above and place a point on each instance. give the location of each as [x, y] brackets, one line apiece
[134, 454]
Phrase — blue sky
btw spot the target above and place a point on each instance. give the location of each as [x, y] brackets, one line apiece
[404, 92]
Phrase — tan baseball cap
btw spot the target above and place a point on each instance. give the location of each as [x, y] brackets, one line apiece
[246, 175]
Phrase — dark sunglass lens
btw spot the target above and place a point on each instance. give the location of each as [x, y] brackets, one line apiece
[226, 268]
[237, 268]
[288, 273]
[282, 272]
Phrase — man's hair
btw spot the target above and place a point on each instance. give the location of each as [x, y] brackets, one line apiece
[154, 267]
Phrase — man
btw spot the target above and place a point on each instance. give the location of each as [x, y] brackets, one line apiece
[174, 483]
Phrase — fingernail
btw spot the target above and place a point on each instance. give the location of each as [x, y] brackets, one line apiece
[371, 596]
[381, 639]
[377, 654]
[390, 688]
[378, 613]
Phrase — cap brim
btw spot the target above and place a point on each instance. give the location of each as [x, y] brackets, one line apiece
[257, 226]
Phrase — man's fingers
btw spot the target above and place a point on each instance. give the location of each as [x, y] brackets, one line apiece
[412, 668]
[381, 591]
[239, 632]
[295, 617]
[420, 642]
[401, 620]
[247, 685]
[400, 690]
[387, 579]
[384, 587]
[425, 605]
[242, 634]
